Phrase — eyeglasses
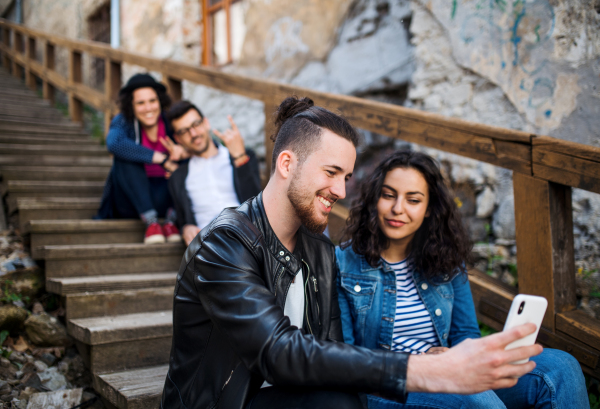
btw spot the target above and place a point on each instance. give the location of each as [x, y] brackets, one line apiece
[196, 124]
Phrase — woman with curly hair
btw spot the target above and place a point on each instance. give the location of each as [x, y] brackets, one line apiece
[137, 186]
[403, 286]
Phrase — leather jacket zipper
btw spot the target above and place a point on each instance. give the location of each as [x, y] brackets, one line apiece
[314, 280]
[277, 277]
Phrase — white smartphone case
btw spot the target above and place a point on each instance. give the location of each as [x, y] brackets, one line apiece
[533, 312]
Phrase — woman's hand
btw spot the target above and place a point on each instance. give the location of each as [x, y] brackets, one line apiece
[176, 152]
[436, 350]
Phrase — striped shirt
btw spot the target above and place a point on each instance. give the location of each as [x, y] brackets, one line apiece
[413, 328]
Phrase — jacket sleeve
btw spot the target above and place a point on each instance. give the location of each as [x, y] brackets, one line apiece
[231, 289]
[181, 199]
[120, 142]
[246, 178]
[346, 317]
[464, 319]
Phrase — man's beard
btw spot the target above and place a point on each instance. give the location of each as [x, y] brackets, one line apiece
[199, 152]
[304, 208]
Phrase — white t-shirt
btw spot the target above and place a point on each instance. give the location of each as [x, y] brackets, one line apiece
[294, 302]
[209, 184]
[294, 306]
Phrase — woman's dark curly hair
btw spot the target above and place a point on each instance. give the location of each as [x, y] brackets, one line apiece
[440, 246]
[126, 103]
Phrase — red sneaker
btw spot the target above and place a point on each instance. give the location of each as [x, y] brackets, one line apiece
[171, 233]
[154, 234]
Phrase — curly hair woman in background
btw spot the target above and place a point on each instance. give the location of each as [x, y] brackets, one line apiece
[403, 286]
[137, 186]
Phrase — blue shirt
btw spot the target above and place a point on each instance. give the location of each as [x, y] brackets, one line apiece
[368, 315]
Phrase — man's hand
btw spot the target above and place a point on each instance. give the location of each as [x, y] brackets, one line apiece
[189, 232]
[474, 365]
[232, 139]
[176, 152]
[170, 166]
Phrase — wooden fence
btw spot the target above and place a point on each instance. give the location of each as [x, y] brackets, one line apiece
[544, 168]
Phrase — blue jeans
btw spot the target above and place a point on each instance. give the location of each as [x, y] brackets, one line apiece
[556, 383]
[136, 193]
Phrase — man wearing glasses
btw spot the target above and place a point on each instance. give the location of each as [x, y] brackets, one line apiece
[216, 175]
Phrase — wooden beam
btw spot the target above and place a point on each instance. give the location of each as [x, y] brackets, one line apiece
[544, 232]
[270, 108]
[6, 62]
[173, 87]
[75, 77]
[30, 54]
[112, 85]
[49, 64]
[580, 326]
[17, 43]
[568, 163]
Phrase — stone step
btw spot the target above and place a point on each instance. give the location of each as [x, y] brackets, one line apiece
[42, 119]
[64, 232]
[36, 188]
[48, 140]
[131, 301]
[54, 208]
[52, 160]
[74, 285]
[63, 173]
[59, 150]
[135, 389]
[12, 112]
[20, 127]
[111, 259]
[24, 102]
[122, 342]
[24, 123]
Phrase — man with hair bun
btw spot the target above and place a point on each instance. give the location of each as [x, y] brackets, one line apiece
[256, 321]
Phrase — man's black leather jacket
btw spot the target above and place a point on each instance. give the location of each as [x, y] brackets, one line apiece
[229, 331]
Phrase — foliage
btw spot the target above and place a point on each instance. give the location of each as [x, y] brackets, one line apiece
[8, 296]
[485, 330]
[3, 351]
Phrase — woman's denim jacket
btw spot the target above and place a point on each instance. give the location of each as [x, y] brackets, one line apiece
[367, 297]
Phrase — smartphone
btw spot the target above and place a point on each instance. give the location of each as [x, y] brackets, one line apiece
[523, 310]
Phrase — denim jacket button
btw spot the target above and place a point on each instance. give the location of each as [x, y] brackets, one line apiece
[424, 286]
[357, 288]
[438, 312]
[445, 336]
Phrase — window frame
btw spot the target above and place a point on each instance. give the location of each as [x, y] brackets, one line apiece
[207, 37]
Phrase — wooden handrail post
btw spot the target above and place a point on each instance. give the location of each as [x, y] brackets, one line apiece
[112, 85]
[30, 56]
[269, 109]
[49, 63]
[17, 46]
[6, 62]
[173, 87]
[545, 252]
[75, 77]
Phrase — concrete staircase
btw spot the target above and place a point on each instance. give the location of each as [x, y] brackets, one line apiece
[117, 292]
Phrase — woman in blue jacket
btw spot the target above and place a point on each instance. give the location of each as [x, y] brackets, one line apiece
[403, 286]
[137, 186]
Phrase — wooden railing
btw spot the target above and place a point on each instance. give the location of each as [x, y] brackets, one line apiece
[544, 168]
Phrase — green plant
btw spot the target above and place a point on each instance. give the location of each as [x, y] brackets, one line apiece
[485, 330]
[3, 351]
[8, 296]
